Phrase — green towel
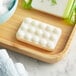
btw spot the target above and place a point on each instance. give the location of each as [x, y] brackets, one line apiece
[27, 3]
[68, 14]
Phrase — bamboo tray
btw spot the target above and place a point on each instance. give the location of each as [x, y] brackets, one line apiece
[9, 29]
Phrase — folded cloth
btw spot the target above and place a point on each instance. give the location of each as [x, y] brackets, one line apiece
[7, 66]
[1, 73]
[21, 70]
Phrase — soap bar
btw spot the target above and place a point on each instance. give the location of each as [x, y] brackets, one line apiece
[62, 8]
[38, 34]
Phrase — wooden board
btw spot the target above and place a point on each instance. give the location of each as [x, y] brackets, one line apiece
[8, 35]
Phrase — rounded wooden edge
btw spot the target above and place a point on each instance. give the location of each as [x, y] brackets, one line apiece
[48, 59]
[56, 57]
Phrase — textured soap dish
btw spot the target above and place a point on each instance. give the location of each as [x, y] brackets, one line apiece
[9, 29]
[39, 34]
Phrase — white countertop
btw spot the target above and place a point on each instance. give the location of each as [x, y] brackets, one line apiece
[66, 67]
